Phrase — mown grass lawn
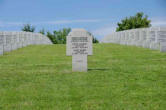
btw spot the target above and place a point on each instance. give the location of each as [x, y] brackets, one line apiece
[119, 78]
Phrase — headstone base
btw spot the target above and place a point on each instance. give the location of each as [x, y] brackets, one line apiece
[146, 44]
[1, 49]
[154, 46]
[13, 46]
[79, 63]
[163, 47]
[7, 48]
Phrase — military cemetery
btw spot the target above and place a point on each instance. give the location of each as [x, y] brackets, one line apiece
[82, 55]
[153, 38]
[125, 66]
[13, 40]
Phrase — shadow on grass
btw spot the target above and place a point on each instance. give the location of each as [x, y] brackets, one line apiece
[98, 69]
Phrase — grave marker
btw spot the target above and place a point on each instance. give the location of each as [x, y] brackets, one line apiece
[1, 43]
[79, 46]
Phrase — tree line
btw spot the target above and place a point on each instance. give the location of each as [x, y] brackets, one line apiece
[59, 36]
[140, 20]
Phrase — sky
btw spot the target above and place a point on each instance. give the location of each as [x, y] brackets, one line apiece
[100, 17]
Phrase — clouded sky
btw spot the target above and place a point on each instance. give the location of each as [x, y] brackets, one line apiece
[97, 16]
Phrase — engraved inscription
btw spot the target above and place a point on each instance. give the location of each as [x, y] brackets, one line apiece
[79, 45]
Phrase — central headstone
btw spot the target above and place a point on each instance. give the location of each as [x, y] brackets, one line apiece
[79, 46]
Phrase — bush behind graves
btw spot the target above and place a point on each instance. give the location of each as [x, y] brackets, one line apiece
[133, 22]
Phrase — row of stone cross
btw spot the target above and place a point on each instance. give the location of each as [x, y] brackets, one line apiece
[153, 38]
[13, 40]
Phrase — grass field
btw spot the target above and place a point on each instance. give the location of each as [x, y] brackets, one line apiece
[118, 78]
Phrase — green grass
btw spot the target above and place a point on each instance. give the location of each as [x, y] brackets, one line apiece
[119, 78]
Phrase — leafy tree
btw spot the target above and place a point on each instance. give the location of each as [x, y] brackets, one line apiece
[42, 31]
[59, 37]
[133, 22]
[94, 39]
[28, 28]
[51, 37]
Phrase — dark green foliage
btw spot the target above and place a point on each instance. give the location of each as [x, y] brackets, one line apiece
[59, 37]
[42, 31]
[133, 22]
[51, 37]
[94, 39]
[28, 28]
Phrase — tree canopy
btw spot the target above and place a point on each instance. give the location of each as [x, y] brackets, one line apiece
[28, 28]
[93, 38]
[59, 37]
[42, 31]
[138, 21]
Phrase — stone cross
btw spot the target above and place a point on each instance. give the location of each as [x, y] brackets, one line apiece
[79, 46]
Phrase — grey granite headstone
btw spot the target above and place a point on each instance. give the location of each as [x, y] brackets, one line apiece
[122, 37]
[18, 40]
[136, 36]
[131, 37]
[24, 39]
[126, 37]
[1, 43]
[161, 38]
[13, 41]
[79, 45]
[163, 47]
[147, 42]
[153, 38]
[7, 44]
[142, 37]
